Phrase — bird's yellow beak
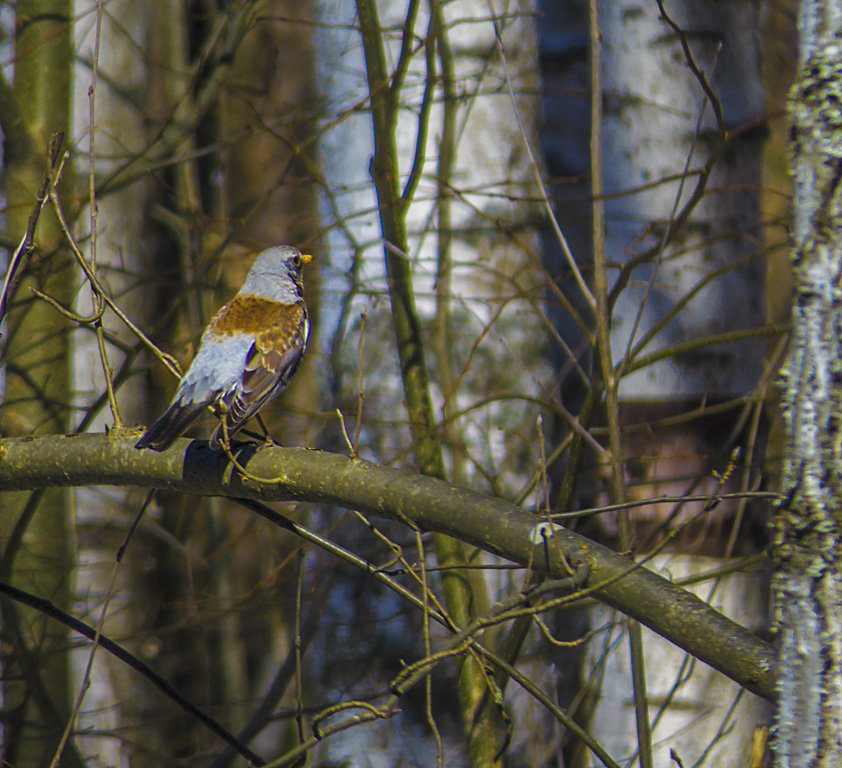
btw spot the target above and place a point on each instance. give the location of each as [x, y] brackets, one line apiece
[306, 258]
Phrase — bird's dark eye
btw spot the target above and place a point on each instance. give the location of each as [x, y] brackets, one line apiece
[297, 261]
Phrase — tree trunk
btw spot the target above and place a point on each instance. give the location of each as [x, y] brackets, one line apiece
[681, 267]
[457, 204]
[808, 583]
[37, 554]
[125, 245]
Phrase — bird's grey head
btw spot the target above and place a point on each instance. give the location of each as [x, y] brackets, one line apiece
[276, 274]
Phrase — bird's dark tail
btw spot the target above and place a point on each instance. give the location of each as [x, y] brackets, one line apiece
[161, 435]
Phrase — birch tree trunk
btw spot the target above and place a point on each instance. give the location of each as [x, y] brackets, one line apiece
[681, 268]
[458, 226]
[125, 246]
[808, 583]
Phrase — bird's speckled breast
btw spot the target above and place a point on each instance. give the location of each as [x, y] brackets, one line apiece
[254, 315]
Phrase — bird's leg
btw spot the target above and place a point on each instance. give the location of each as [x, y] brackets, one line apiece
[220, 410]
[226, 441]
[266, 436]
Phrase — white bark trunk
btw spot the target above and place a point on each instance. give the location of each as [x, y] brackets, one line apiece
[653, 108]
[807, 593]
[117, 697]
[696, 712]
[495, 331]
[656, 125]
[483, 316]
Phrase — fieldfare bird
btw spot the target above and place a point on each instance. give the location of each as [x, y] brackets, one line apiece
[248, 352]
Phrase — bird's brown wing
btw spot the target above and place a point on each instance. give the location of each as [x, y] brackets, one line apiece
[270, 363]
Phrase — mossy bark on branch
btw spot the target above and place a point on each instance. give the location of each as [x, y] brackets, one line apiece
[429, 504]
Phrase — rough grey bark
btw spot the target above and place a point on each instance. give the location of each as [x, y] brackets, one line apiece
[808, 583]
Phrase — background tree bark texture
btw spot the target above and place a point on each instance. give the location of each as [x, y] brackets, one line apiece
[124, 248]
[35, 530]
[530, 482]
[674, 415]
[452, 188]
